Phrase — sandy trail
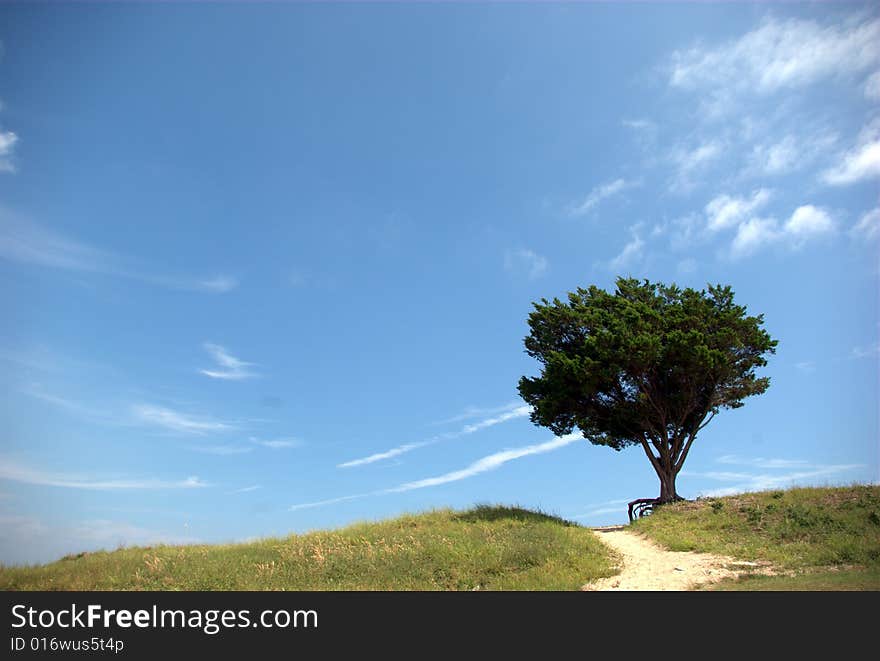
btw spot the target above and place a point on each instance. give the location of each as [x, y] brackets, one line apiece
[647, 566]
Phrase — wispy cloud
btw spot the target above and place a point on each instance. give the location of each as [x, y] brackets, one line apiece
[27, 242]
[859, 163]
[778, 54]
[10, 470]
[805, 224]
[331, 501]
[690, 162]
[607, 507]
[597, 195]
[725, 211]
[519, 411]
[491, 462]
[630, 253]
[477, 412]
[223, 450]
[872, 86]
[752, 235]
[868, 227]
[253, 487]
[761, 462]
[278, 443]
[525, 261]
[639, 124]
[869, 351]
[229, 367]
[488, 463]
[8, 139]
[99, 415]
[27, 539]
[219, 284]
[806, 366]
[179, 422]
[789, 154]
[798, 472]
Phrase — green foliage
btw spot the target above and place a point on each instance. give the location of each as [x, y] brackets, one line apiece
[485, 548]
[646, 359]
[649, 364]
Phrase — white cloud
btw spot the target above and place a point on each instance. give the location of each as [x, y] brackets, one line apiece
[27, 540]
[219, 284]
[103, 533]
[16, 528]
[176, 421]
[777, 158]
[483, 465]
[870, 351]
[761, 462]
[491, 462]
[278, 443]
[631, 252]
[725, 211]
[872, 86]
[233, 369]
[779, 54]
[690, 162]
[763, 481]
[752, 235]
[683, 232]
[223, 450]
[608, 507]
[101, 416]
[519, 411]
[253, 487]
[859, 163]
[10, 470]
[789, 154]
[386, 454]
[806, 366]
[476, 412]
[29, 243]
[868, 226]
[687, 265]
[330, 501]
[8, 139]
[639, 124]
[807, 222]
[598, 194]
[527, 261]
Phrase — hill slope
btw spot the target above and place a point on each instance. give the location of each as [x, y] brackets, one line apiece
[486, 548]
[815, 538]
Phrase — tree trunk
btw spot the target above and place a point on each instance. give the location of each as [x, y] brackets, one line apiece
[667, 486]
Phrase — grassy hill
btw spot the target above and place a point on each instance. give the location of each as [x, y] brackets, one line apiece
[815, 538]
[486, 548]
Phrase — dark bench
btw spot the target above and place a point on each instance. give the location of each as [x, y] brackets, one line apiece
[642, 507]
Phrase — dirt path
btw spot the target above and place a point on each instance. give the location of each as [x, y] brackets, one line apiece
[647, 566]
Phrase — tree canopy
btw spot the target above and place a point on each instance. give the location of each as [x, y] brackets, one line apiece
[649, 364]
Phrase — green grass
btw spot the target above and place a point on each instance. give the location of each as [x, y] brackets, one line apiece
[820, 538]
[486, 548]
[835, 580]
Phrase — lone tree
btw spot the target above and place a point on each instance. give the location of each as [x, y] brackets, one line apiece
[648, 365]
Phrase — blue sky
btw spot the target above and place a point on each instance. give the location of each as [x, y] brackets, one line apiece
[267, 269]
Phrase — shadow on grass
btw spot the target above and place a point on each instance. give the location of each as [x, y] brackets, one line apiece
[500, 512]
